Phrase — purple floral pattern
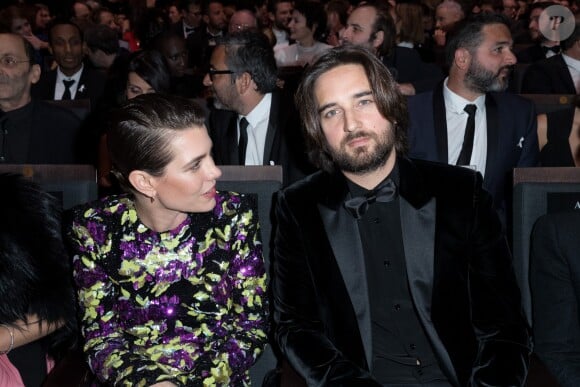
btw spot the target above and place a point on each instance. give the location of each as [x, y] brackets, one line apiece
[187, 306]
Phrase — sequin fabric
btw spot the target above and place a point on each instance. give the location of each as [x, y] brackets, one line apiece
[187, 306]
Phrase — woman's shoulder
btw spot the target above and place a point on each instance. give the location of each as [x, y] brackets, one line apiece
[107, 208]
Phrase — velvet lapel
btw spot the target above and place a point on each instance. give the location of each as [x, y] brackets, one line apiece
[418, 223]
[343, 235]
[440, 123]
[493, 135]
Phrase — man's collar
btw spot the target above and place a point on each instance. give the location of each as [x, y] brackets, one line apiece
[455, 103]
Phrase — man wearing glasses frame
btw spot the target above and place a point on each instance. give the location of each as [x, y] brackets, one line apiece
[31, 131]
[253, 122]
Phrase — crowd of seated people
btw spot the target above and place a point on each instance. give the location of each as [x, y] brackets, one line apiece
[243, 60]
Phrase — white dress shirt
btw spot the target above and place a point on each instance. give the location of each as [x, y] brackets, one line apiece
[258, 120]
[59, 87]
[456, 123]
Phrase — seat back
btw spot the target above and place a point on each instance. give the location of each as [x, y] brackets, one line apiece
[263, 181]
[538, 191]
[71, 184]
[546, 103]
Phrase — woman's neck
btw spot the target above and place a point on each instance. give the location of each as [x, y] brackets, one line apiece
[155, 216]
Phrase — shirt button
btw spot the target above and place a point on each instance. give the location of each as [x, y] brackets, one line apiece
[387, 263]
[397, 306]
[413, 346]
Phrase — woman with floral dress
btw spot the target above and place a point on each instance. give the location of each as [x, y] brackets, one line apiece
[170, 277]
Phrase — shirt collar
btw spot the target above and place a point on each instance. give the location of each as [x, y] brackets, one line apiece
[75, 77]
[456, 103]
[571, 62]
[261, 111]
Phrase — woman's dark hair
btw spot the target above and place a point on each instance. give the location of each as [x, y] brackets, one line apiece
[141, 130]
[315, 15]
[151, 67]
[390, 102]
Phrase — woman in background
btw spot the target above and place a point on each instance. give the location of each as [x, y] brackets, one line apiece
[146, 72]
[307, 27]
[170, 277]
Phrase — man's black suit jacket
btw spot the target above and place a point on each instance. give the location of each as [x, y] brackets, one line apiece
[555, 275]
[284, 141]
[91, 86]
[459, 272]
[512, 139]
[548, 76]
[54, 135]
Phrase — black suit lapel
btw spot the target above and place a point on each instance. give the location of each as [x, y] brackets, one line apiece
[273, 133]
[440, 123]
[493, 134]
[418, 225]
[565, 75]
[231, 156]
[343, 235]
[82, 87]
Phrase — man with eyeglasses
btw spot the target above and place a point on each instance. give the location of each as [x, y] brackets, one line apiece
[31, 131]
[260, 125]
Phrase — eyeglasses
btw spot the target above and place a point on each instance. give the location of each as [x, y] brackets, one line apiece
[9, 62]
[213, 72]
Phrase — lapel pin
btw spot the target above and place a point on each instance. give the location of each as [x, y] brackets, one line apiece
[81, 88]
[521, 143]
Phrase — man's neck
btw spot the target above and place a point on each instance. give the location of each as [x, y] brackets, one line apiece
[250, 102]
[371, 179]
[458, 87]
[70, 73]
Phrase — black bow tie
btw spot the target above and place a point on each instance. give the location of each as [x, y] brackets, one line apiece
[358, 205]
[554, 49]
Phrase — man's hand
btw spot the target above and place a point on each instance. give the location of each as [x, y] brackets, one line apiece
[439, 37]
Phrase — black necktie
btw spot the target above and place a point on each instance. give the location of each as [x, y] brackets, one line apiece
[467, 148]
[358, 205]
[67, 85]
[243, 143]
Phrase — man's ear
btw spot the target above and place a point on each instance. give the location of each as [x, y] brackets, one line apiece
[50, 49]
[143, 182]
[462, 58]
[378, 40]
[34, 73]
[244, 82]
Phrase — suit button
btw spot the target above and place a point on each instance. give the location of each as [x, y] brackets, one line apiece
[387, 263]
[413, 346]
[397, 306]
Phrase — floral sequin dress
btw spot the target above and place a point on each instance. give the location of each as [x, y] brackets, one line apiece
[187, 306]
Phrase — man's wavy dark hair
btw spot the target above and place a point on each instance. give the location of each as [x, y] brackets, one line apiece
[390, 102]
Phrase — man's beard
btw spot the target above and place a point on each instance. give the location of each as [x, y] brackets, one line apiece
[365, 158]
[481, 80]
